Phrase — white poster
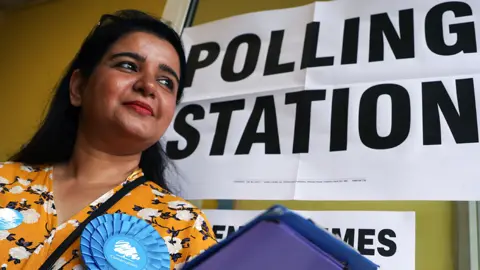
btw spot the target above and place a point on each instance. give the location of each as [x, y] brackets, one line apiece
[386, 238]
[339, 100]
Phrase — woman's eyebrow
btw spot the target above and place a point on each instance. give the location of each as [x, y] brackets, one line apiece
[169, 70]
[133, 55]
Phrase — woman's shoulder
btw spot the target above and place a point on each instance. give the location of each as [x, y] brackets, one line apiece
[165, 199]
[13, 169]
[17, 172]
[183, 225]
[173, 209]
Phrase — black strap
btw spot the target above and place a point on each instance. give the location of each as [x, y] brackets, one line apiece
[47, 265]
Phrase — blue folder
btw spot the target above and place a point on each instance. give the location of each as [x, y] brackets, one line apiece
[281, 239]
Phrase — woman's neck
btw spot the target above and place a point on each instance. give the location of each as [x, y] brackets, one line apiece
[92, 166]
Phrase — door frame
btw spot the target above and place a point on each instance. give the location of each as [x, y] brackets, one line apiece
[179, 13]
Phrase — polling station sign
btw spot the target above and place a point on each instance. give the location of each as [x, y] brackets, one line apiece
[386, 238]
[338, 100]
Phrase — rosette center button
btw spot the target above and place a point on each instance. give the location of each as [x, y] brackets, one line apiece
[124, 252]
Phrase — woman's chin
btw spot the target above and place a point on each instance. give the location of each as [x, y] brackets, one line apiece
[137, 131]
[141, 134]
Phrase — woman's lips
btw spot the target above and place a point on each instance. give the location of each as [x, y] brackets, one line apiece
[140, 107]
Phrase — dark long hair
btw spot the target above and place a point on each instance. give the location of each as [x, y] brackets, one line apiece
[55, 139]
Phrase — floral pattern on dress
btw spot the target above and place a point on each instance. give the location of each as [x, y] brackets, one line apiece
[28, 189]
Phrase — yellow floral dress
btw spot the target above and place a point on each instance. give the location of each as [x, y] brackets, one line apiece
[29, 190]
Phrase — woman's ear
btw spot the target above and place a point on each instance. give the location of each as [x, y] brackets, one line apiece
[76, 86]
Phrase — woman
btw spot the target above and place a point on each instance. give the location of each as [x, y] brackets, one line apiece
[101, 134]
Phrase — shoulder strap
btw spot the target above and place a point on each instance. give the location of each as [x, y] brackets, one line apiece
[47, 265]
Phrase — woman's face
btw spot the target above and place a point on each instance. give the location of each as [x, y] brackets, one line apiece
[130, 97]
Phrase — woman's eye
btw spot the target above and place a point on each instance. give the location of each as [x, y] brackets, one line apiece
[166, 82]
[128, 65]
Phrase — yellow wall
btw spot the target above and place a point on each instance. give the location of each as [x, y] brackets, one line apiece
[435, 241]
[36, 45]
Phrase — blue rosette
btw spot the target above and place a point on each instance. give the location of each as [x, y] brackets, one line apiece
[119, 241]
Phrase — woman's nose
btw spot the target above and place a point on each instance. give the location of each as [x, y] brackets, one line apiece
[145, 86]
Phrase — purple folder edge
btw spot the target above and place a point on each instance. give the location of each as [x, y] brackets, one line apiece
[316, 235]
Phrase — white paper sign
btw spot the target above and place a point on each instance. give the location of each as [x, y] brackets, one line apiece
[340, 100]
[386, 238]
